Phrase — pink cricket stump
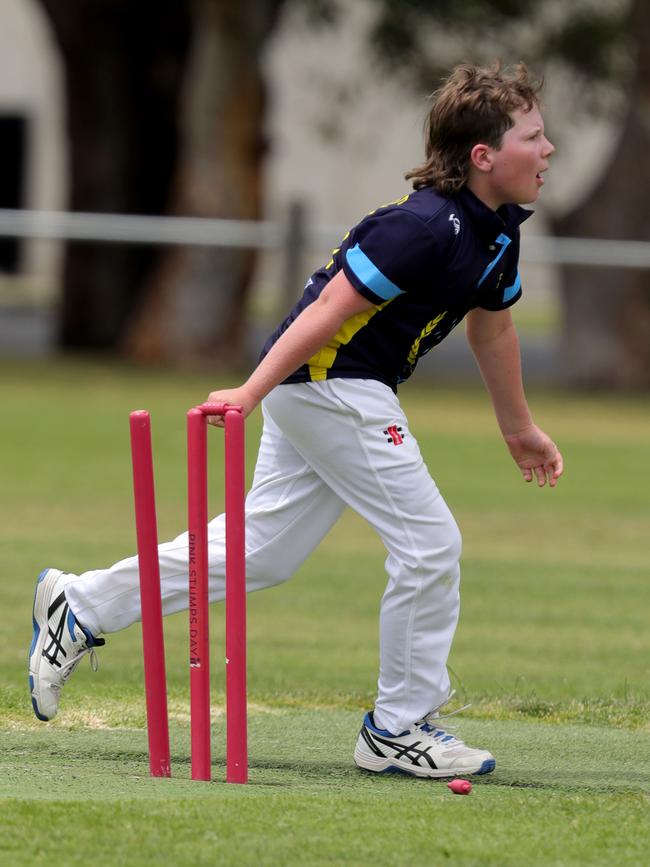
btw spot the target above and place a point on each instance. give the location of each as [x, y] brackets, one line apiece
[152, 627]
[197, 523]
[236, 723]
[236, 715]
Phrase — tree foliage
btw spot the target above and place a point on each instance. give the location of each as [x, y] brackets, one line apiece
[420, 39]
[585, 35]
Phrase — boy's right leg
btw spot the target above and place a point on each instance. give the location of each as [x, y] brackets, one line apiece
[59, 643]
[289, 509]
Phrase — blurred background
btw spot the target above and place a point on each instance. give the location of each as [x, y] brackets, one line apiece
[247, 136]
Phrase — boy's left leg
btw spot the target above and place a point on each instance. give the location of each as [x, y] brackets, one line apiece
[356, 437]
[343, 428]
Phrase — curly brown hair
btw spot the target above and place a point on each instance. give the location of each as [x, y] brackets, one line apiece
[474, 105]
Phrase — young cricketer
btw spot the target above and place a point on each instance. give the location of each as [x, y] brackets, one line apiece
[335, 434]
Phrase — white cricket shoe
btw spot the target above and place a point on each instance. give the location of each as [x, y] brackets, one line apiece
[424, 750]
[58, 645]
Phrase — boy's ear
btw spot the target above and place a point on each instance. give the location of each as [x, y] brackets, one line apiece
[481, 157]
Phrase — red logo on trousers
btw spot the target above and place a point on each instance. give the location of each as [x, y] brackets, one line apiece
[394, 434]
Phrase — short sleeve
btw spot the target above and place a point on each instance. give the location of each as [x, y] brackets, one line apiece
[505, 295]
[389, 254]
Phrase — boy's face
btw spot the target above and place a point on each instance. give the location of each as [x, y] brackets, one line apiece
[513, 172]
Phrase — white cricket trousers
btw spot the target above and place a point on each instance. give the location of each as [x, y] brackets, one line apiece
[328, 445]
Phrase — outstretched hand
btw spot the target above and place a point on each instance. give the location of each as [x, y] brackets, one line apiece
[536, 455]
[233, 396]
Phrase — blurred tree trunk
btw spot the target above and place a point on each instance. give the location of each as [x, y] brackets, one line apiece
[195, 302]
[607, 311]
[123, 70]
[165, 114]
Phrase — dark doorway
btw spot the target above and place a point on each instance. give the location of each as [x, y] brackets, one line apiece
[13, 143]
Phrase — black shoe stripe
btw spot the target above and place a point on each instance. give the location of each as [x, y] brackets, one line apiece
[52, 650]
[60, 600]
[401, 751]
[365, 734]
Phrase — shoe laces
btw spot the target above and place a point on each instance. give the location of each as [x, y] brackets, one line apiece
[68, 667]
[429, 722]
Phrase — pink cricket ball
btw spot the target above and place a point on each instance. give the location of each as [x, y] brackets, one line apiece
[460, 787]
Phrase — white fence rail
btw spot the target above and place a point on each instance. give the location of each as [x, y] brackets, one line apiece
[123, 228]
[66, 226]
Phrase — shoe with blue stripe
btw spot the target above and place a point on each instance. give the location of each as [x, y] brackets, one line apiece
[59, 643]
[423, 750]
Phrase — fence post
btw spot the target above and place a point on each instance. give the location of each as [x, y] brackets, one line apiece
[294, 248]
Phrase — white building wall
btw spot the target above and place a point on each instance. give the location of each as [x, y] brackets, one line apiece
[31, 84]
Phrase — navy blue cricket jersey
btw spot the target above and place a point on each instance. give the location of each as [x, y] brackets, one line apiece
[424, 262]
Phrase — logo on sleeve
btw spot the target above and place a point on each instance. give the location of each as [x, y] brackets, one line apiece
[456, 223]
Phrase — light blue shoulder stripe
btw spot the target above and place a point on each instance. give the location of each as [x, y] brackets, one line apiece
[368, 273]
[510, 291]
[503, 241]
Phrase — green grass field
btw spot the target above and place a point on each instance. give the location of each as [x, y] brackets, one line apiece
[552, 649]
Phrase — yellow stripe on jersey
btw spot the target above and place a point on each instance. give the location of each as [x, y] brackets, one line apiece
[428, 328]
[336, 250]
[324, 359]
[399, 201]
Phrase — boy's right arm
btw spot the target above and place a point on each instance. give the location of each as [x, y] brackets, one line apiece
[308, 333]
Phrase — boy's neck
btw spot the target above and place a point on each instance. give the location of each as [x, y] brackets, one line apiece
[479, 190]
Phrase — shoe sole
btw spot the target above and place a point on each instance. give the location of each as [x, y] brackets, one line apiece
[382, 765]
[46, 579]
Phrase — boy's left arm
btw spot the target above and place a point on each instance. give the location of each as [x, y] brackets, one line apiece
[495, 344]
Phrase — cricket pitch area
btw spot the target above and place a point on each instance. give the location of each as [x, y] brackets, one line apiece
[552, 648]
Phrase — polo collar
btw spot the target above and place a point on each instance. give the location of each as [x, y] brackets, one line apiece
[489, 223]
